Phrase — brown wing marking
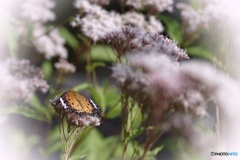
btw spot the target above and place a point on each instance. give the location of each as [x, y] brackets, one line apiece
[80, 103]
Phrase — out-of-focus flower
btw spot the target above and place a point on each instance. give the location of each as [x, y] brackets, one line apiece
[21, 79]
[97, 21]
[84, 7]
[38, 11]
[185, 125]
[138, 20]
[193, 20]
[131, 40]
[64, 66]
[158, 5]
[134, 19]
[51, 45]
[153, 25]
[165, 82]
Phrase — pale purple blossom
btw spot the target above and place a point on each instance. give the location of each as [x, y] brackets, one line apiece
[138, 20]
[134, 19]
[47, 42]
[193, 20]
[64, 66]
[208, 15]
[160, 78]
[96, 22]
[21, 80]
[158, 5]
[119, 38]
[128, 40]
[153, 25]
[84, 6]
[38, 11]
[50, 44]
[154, 42]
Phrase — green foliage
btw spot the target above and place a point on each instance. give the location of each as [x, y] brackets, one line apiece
[25, 111]
[199, 52]
[12, 38]
[102, 53]
[95, 65]
[47, 69]
[71, 40]
[172, 28]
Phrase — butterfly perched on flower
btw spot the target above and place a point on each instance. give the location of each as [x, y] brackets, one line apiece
[78, 110]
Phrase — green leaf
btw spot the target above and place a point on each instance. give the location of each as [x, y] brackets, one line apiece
[42, 110]
[112, 97]
[173, 28]
[102, 53]
[25, 111]
[71, 40]
[136, 132]
[94, 65]
[98, 96]
[47, 69]
[82, 86]
[12, 38]
[155, 151]
[199, 52]
[77, 157]
[114, 111]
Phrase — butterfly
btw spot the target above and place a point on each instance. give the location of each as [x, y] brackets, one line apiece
[78, 109]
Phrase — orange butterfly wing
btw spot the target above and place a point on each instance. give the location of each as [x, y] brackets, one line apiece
[78, 102]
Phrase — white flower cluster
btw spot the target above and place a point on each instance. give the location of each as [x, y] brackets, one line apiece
[65, 66]
[159, 5]
[193, 20]
[51, 45]
[47, 42]
[38, 11]
[138, 20]
[94, 21]
[20, 79]
[181, 87]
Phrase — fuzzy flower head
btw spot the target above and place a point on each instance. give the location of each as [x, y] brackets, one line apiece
[154, 42]
[160, 82]
[96, 21]
[21, 80]
[193, 20]
[51, 44]
[157, 5]
[38, 11]
[119, 38]
[47, 42]
[64, 66]
[138, 20]
[78, 110]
